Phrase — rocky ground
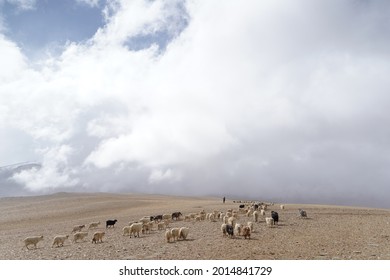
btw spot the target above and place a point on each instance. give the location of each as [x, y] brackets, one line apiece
[329, 232]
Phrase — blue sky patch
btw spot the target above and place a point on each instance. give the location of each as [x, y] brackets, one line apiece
[50, 23]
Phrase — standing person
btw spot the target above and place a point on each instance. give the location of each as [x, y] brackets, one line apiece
[223, 199]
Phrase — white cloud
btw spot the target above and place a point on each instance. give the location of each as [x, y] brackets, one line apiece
[53, 174]
[91, 3]
[158, 176]
[22, 4]
[129, 19]
[287, 98]
[13, 61]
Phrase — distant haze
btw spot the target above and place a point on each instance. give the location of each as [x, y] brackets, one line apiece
[271, 100]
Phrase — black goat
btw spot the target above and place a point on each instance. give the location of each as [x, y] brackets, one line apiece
[176, 215]
[230, 230]
[275, 216]
[302, 213]
[157, 218]
[110, 223]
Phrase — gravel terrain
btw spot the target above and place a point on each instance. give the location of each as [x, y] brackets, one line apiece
[329, 232]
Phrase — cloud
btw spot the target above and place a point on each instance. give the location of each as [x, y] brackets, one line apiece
[21, 4]
[91, 3]
[129, 20]
[13, 58]
[281, 100]
[158, 176]
[54, 172]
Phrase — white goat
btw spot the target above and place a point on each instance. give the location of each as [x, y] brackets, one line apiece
[255, 216]
[79, 236]
[183, 232]
[167, 217]
[232, 221]
[126, 230]
[238, 228]
[147, 227]
[168, 235]
[250, 225]
[269, 221]
[93, 225]
[98, 237]
[33, 240]
[223, 229]
[144, 220]
[59, 240]
[77, 228]
[135, 228]
[175, 233]
[160, 225]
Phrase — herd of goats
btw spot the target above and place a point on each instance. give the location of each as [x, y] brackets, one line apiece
[229, 228]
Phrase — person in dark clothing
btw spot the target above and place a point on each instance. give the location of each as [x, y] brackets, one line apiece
[223, 199]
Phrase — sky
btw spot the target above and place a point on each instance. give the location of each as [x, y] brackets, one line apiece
[283, 101]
